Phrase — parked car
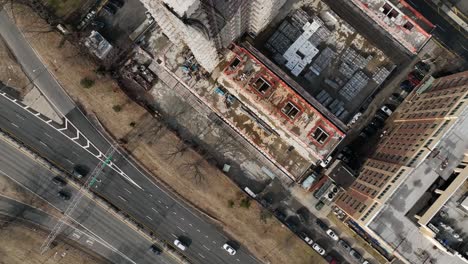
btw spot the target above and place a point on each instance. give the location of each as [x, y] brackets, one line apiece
[180, 245]
[110, 9]
[355, 255]
[59, 181]
[156, 250]
[386, 110]
[319, 205]
[306, 238]
[422, 67]
[332, 234]
[118, 3]
[344, 245]
[321, 224]
[229, 249]
[79, 171]
[64, 195]
[318, 248]
[365, 262]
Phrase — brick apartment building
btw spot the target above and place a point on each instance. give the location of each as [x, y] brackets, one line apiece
[412, 134]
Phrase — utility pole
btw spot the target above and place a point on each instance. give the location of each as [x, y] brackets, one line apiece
[74, 203]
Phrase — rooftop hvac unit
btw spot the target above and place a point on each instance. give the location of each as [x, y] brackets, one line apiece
[331, 193]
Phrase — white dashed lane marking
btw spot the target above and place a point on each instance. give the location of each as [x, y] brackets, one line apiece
[15, 125]
[123, 199]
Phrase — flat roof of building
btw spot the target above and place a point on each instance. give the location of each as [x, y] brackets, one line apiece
[278, 106]
[392, 223]
[400, 20]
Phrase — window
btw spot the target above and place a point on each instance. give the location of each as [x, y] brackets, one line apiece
[290, 110]
[234, 64]
[408, 25]
[320, 135]
[261, 85]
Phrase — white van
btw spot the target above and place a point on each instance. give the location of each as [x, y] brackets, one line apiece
[180, 245]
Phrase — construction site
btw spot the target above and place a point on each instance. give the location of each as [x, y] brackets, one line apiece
[329, 59]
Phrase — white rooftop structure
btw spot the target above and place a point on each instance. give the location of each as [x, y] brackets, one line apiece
[302, 51]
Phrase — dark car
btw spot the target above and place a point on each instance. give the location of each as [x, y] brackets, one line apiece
[80, 171]
[355, 255]
[59, 181]
[64, 195]
[111, 9]
[344, 245]
[118, 3]
[321, 224]
[156, 250]
[422, 67]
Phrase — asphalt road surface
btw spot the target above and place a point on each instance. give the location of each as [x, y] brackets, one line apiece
[151, 205]
[32, 65]
[124, 185]
[444, 31]
[14, 211]
[98, 229]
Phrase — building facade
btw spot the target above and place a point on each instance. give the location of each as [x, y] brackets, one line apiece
[409, 138]
[208, 26]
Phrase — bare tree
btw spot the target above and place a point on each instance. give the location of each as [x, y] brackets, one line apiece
[193, 168]
[177, 150]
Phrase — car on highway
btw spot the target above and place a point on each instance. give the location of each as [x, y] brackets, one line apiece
[64, 195]
[156, 250]
[59, 181]
[180, 245]
[321, 224]
[331, 233]
[344, 245]
[306, 238]
[318, 248]
[355, 255]
[229, 249]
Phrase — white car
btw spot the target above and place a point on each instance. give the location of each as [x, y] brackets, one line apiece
[332, 234]
[319, 249]
[180, 245]
[229, 249]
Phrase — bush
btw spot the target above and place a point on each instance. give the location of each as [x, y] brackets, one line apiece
[265, 215]
[87, 82]
[132, 124]
[117, 108]
[230, 203]
[245, 203]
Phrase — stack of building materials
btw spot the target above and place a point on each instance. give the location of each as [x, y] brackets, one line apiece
[322, 61]
[301, 52]
[354, 85]
[380, 75]
[353, 61]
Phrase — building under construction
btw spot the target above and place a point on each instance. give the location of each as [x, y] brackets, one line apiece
[208, 26]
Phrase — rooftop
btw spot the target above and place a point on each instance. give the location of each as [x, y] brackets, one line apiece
[279, 108]
[400, 20]
[395, 223]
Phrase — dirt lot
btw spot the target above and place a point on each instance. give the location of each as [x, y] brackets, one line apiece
[268, 241]
[10, 71]
[21, 245]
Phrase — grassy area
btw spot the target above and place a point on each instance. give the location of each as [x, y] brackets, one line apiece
[359, 240]
[209, 189]
[21, 245]
[63, 8]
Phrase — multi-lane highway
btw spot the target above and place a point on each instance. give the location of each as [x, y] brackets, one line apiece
[123, 183]
[133, 191]
[103, 231]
